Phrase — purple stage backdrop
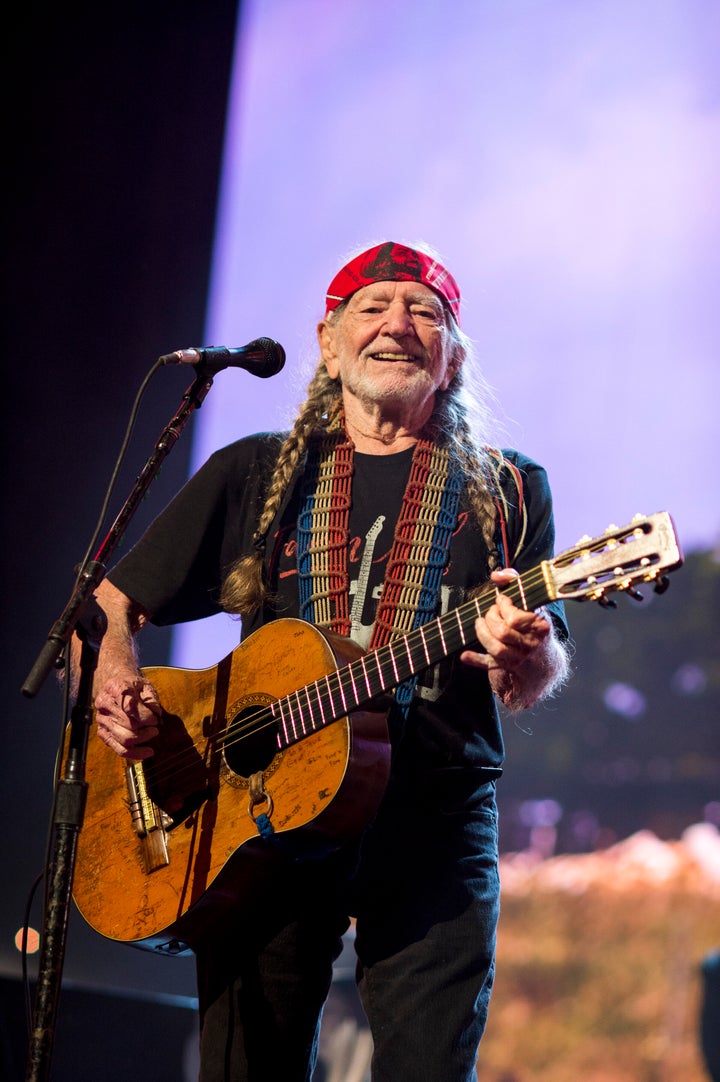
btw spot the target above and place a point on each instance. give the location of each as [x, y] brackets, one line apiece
[565, 160]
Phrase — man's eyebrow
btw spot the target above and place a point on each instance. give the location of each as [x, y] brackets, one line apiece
[430, 299]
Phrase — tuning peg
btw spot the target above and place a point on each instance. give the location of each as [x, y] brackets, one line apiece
[661, 584]
[635, 594]
[607, 602]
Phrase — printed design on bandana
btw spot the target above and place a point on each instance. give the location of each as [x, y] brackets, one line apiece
[391, 262]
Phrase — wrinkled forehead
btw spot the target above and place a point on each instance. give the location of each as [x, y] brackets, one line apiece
[410, 293]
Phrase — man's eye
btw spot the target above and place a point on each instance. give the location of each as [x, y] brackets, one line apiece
[426, 314]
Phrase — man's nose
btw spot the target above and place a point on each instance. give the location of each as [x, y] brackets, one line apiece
[398, 319]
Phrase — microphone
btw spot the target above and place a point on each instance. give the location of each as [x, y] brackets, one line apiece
[262, 358]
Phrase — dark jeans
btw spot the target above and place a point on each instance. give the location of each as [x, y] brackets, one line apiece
[425, 892]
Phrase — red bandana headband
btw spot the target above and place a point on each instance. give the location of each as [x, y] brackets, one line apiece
[391, 262]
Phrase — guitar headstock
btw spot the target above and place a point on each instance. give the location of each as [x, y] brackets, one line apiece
[644, 551]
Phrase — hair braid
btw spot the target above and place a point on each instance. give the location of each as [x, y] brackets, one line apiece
[245, 589]
[451, 425]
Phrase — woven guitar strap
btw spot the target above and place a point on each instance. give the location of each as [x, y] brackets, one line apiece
[417, 558]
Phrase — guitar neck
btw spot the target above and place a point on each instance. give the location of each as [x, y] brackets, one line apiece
[346, 689]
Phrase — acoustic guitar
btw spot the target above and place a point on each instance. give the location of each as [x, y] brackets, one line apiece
[280, 748]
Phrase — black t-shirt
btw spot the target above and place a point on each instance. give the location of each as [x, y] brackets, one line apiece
[176, 570]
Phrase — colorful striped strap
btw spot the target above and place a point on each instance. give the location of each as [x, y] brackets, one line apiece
[322, 534]
[422, 541]
[418, 555]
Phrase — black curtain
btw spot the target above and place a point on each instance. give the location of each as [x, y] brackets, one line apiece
[112, 161]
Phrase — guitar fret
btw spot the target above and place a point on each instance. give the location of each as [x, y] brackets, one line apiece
[380, 678]
[289, 719]
[310, 711]
[421, 633]
[282, 703]
[393, 660]
[403, 665]
[274, 709]
[538, 594]
[342, 697]
[366, 676]
[296, 697]
[351, 672]
[321, 707]
[327, 697]
[461, 629]
[334, 710]
[408, 651]
[287, 728]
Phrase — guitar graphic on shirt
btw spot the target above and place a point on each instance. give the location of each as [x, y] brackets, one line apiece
[358, 604]
[278, 749]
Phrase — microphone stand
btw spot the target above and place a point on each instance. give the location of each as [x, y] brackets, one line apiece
[83, 615]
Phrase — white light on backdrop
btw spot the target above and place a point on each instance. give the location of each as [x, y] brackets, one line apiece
[564, 159]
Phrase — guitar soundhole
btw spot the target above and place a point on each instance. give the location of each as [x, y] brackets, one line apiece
[248, 747]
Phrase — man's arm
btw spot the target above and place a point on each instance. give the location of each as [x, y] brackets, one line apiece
[126, 705]
[524, 658]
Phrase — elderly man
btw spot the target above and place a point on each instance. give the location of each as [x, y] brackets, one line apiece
[382, 508]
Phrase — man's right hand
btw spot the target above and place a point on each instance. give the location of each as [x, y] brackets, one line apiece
[127, 712]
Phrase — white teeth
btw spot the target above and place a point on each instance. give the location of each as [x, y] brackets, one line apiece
[393, 356]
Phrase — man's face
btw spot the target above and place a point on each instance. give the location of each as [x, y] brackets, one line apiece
[390, 345]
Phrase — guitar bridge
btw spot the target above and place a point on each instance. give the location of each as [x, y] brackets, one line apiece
[148, 821]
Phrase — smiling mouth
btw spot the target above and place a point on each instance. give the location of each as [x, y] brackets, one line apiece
[385, 356]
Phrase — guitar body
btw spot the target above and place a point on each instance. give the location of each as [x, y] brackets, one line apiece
[212, 793]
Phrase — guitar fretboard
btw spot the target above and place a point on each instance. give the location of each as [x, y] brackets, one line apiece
[316, 705]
